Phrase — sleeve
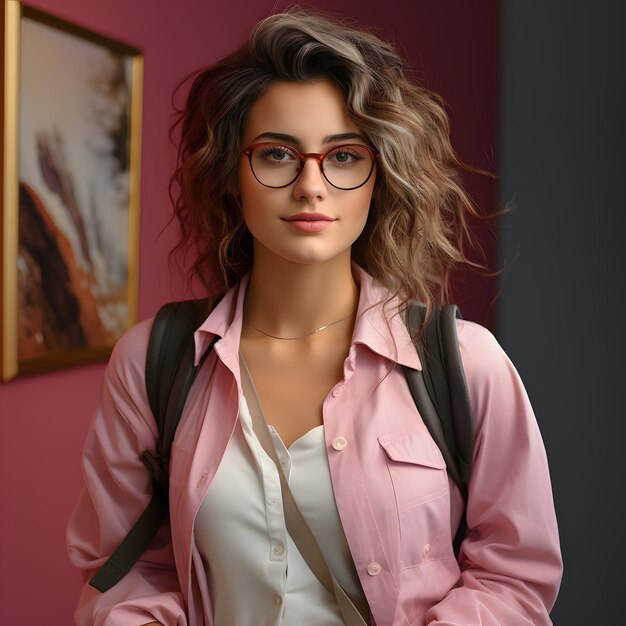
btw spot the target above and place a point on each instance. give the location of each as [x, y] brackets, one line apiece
[116, 491]
[510, 559]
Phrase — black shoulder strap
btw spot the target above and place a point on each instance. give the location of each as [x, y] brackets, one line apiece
[169, 365]
[440, 393]
[170, 372]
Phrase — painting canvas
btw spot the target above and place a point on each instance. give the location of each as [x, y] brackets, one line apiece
[77, 177]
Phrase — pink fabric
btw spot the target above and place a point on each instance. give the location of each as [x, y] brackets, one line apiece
[396, 503]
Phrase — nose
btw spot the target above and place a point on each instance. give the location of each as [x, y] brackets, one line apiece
[310, 184]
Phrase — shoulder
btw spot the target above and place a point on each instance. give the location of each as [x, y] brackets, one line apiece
[126, 367]
[480, 351]
[124, 402]
[492, 380]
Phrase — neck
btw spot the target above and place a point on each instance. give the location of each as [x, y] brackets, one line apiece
[291, 299]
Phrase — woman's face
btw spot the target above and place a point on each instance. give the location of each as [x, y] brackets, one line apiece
[309, 117]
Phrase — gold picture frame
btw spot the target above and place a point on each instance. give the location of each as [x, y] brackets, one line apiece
[71, 137]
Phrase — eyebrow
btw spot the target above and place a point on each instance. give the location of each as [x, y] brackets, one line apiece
[326, 140]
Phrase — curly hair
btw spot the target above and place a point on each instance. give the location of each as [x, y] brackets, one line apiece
[418, 216]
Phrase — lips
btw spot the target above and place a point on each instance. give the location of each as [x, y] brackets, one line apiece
[309, 222]
[309, 217]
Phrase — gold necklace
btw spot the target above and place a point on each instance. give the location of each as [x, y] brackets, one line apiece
[317, 330]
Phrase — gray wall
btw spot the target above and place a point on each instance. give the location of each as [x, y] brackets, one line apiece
[562, 167]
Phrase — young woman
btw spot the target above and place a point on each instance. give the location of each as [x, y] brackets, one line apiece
[318, 187]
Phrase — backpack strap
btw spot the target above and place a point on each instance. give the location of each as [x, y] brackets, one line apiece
[170, 372]
[441, 396]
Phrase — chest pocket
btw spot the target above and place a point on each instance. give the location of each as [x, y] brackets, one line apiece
[418, 475]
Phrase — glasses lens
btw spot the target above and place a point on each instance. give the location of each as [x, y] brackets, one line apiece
[348, 167]
[275, 165]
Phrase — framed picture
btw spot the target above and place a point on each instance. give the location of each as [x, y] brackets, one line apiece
[71, 139]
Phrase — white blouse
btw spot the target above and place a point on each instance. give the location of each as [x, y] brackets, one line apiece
[255, 572]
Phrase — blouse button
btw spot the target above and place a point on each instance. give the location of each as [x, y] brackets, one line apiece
[278, 550]
[339, 443]
[373, 569]
[426, 549]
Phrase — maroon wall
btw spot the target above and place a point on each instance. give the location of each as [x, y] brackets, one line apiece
[43, 419]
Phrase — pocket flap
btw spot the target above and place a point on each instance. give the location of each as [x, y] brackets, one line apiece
[412, 447]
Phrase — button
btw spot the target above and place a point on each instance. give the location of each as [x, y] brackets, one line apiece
[373, 569]
[339, 443]
[426, 549]
[278, 549]
[337, 391]
[283, 463]
[278, 600]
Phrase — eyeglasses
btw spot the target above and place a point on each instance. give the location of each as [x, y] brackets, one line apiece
[345, 167]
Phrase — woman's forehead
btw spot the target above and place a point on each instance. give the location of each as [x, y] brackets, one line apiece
[306, 111]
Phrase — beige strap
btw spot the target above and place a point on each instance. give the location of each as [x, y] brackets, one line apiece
[296, 524]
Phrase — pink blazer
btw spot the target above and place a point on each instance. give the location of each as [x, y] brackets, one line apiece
[398, 508]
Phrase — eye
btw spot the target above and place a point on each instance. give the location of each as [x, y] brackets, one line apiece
[344, 156]
[276, 154]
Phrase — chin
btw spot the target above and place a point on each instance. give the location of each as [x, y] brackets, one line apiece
[302, 256]
[310, 259]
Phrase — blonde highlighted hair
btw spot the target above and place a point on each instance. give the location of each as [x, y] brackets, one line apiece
[418, 216]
